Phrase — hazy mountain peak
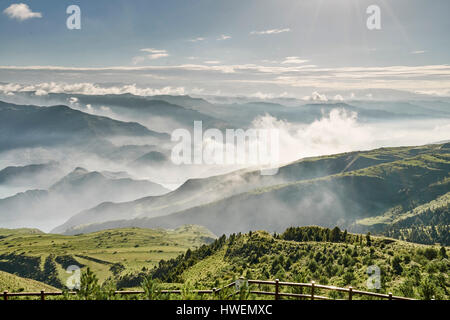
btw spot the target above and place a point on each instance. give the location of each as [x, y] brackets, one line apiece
[79, 170]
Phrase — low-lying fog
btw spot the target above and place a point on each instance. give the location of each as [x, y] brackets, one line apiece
[336, 131]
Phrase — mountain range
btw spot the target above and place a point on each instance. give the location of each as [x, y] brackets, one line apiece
[78, 190]
[31, 126]
[341, 189]
[358, 190]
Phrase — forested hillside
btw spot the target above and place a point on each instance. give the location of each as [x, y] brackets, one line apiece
[327, 256]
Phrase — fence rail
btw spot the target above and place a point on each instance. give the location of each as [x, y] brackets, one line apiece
[313, 287]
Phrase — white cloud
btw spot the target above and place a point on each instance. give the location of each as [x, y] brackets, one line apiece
[265, 96]
[154, 54]
[315, 96]
[212, 62]
[88, 89]
[340, 131]
[270, 61]
[294, 60]
[40, 92]
[73, 100]
[418, 52]
[354, 73]
[153, 51]
[196, 39]
[21, 12]
[224, 37]
[443, 92]
[271, 31]
[157, 56]
[338, 97]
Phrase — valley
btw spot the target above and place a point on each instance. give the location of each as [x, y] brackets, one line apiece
[112, 202]
[30, 253]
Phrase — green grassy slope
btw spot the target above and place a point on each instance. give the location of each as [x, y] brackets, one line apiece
[22, 231]
[13, 283]
[343, 199]
[314, 253]
[428, 223]
[45, 257]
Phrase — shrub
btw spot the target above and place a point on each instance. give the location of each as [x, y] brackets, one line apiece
[396, 265]
[430, 253]
[348, 277]
[407, 288]
[107, 291]
[89, 287]
[151, 288]
[312, 266]
[427, 289]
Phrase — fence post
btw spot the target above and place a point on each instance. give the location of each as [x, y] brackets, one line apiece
[277, 289]
[42, 295]
[312, 290]
[350, 293]
[390, 295]
[5, 295]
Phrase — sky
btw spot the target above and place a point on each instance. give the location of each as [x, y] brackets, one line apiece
[232, 47]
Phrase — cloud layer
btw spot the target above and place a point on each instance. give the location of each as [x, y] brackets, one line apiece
[45, 88]
[291, 75]
[340, 131]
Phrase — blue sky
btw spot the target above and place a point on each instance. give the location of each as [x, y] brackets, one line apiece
[214, 35]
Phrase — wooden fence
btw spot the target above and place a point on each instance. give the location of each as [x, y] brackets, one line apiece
[313, 287]
[277, 294]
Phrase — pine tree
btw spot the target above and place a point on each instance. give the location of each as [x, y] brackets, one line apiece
[89, 287]
[443, 252]
[369, 242]
[396, 265]
[335, 234]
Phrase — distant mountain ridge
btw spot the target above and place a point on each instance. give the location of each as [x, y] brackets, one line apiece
[28, 126]
[77, 190]
[329, 190]
[162, 113]
[28, 174]
[165, 113]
